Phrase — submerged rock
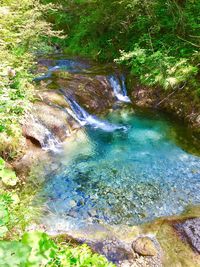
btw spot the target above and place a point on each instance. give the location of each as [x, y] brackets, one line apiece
[144, 246]
[114, 250]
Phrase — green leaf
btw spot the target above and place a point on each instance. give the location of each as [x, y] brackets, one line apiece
[2, 163]
[8, 177]
[43, 249]
[13, 254]
[2, 128]
[4, 215]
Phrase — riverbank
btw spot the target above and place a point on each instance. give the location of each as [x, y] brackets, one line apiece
[180, 103]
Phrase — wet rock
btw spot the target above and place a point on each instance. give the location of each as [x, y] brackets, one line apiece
[182, 103]
[52, 97]
[114, 250]
[56, 120]
[44, 120]
[189, 231]
[144, 246]
[93, 92]
[72, 213]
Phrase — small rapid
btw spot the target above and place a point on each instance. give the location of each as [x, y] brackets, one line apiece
[119, 88]
[46, 138]
[51, 143]
[84, 118]
[71, 66]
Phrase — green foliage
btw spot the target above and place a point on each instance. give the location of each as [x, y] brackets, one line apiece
[37, 249]
[16, 211]
[23, 32]
[7, 176]
[26, 249]
[158, 40]
[159, 69]
[5, 201]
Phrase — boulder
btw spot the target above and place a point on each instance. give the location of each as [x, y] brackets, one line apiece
[145, 246]
[45, 120]
[93, 92]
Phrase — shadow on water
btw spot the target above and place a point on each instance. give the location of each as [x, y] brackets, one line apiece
[179, 132]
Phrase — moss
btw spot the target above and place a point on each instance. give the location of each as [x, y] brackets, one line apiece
[62, 74]
[176, 253]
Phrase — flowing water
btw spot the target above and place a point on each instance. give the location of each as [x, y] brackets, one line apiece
[119, 88]
[128, 168]
[84, 118]
[117, 82]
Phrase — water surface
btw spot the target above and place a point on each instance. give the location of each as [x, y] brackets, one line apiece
[123, 177]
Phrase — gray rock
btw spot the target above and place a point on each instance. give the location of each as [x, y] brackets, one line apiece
[114, 250]
[44, 122]
[189, 231]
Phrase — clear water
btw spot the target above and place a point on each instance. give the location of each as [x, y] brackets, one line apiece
[123, 177]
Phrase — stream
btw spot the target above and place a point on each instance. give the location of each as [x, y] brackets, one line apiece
[126, 168]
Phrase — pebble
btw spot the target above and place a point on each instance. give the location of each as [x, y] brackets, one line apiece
[92, 212]
[72, 203]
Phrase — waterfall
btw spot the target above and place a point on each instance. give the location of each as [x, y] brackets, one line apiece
[84, 118]
[47, 75]
[43, 77]
[40, 132]
[50, 142]
[119, 88]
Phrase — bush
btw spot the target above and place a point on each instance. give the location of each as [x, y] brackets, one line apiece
[23, 32]
[37, 249]
[158, 40]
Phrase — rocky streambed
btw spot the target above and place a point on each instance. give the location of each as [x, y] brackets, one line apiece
[108, 166]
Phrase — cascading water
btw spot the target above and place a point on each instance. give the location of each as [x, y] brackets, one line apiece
[50, 142]
[70, 65]
[84, 118]
[119, 88]
[46, 138]
[117, 83]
